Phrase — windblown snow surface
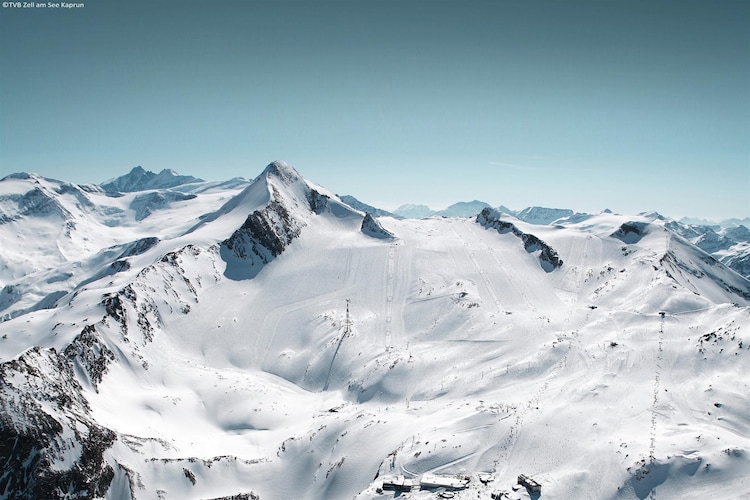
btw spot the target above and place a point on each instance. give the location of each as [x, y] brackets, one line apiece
[218, 360]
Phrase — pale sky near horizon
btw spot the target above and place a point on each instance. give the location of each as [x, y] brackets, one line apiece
[632, 106]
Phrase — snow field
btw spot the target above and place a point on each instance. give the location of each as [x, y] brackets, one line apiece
[464, 355]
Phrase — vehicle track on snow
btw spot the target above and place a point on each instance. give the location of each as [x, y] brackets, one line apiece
[268, 326]
[520, 291]
[571, 282]
[398, 273]
[483, 276]
[389, 290]
[524, 409]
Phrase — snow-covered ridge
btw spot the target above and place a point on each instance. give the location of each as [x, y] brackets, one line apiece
[541, 215]
[459, 209]
[371, 227]
[548, 257]
[269, 330]
[139, 179]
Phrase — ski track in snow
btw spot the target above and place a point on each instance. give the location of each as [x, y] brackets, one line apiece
[500, 260]
[483, 277]
[390, 273]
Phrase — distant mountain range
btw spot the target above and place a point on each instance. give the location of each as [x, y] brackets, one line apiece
[139, 179]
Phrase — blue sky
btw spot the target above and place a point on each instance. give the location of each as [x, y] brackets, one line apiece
[584, 104]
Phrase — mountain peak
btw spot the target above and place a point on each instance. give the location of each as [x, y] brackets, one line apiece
[140, 179]
[411, 211]
[283, 171]
[543, 215]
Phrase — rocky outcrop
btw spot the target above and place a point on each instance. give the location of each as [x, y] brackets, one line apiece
[33, 203]
[318, 202]
[729, 245]
[371, 227]
[50, 447]
[264, 234]
[145, 204]
[91, 354]
[631, 232]
[548, 257]
[138, 247]
[739, 262]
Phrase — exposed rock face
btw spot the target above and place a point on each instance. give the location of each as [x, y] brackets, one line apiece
[371, 227]
[45, 424]
[240, 496]
[318, 202]
[33, 203]
[739, 262]
[91, 354]
[548, 257]
[730, 245]
[138, 247]
[267, 232]
[50, 445]
[738, 234]
[677, 269]
[145, 204]
[264, 235]
[631, 232]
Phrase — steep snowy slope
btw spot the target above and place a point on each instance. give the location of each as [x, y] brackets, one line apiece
[282, 345]
[730, 245]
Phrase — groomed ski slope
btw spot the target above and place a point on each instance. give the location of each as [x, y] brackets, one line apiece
[464, 356]
[620, 374]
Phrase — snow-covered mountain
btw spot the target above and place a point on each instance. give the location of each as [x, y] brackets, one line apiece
[412, 211]
[264, 339]
[730, 245]
[463, 209]
[140, 179]
[364, 207]
[459, 209]
[541, 215]
[726, 223]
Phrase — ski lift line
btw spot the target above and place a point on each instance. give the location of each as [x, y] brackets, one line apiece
[268, 325]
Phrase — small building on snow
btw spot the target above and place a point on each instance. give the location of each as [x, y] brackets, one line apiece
[398, 483]
[529, 483]
[450, 482]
